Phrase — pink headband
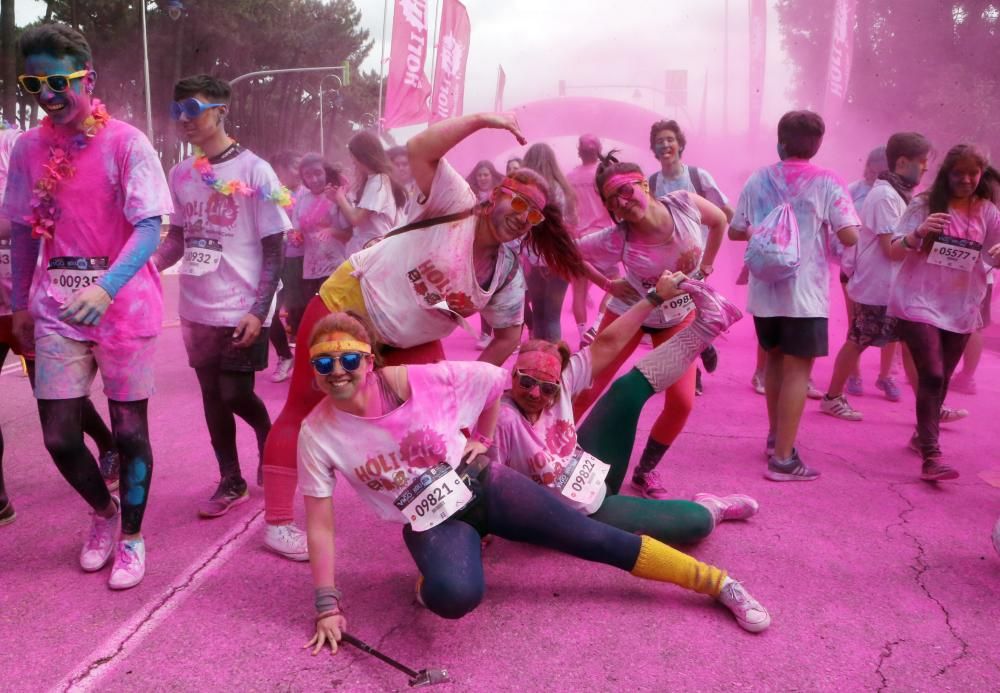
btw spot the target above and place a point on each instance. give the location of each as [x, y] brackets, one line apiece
[530, 192]
[616, 181]
[547, 364]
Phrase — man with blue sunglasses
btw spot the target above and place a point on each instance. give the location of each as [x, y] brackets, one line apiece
[228, 234]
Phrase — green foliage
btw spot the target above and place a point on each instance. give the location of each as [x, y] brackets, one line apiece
[927, 65]
[228, 38]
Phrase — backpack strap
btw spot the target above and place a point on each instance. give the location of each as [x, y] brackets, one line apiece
[515, 266]
[432, 221]
[695, 176]
[655, 176]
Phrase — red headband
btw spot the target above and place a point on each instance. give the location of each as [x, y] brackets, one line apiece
[616, 181]
[542, 362]
[526, 190]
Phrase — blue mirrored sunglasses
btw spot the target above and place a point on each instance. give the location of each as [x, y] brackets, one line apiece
[350, 361]
[191, 107]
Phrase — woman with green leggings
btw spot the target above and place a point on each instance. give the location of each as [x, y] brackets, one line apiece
[536, 432]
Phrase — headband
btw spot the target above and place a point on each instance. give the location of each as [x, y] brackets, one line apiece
[532, 193]
[542, 362]
[338, 341]
[616, 181]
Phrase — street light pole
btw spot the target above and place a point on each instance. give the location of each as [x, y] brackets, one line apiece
[322, 140]
[145, 72]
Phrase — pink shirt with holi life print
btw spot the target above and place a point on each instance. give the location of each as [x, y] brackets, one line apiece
[118, 182]
[542, 450]
[948, 298]
[822, 207]
[380, 456]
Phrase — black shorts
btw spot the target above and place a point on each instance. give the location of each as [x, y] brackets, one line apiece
[802, 337]
[871, 326]
[208, 345]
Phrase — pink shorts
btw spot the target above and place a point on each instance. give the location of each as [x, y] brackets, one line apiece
[65, 368]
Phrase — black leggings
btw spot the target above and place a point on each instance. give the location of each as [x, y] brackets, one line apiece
[93, 424]
[225, 395]
[936, 353]
[512, 506]
[62, 430]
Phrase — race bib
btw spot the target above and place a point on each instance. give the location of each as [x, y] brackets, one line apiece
[4, 258]
[201, 256]
[67, 275]
[433, 497]
[583, 478]
[674, 309]
[956, 253]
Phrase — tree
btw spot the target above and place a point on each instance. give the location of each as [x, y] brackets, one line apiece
[928, 66]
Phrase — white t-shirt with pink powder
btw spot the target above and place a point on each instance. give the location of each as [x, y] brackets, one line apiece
[317, 217]
[118, 182]
[406, 278]
[233, 225]
[880, 212]
[822, 207]
[376, 198]
[945, 297]
[645, 262]
[542, 450]
[7, 138]
[380, 456]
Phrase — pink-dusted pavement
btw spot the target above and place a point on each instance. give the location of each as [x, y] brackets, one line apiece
[874, 579]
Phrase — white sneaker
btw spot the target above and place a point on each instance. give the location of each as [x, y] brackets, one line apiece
[813, 392]
[283, 371]
[130, 564]
[839, 407]
[726, 508]
[748, 611]
[949, 414]
[103, 533]
[286, 540]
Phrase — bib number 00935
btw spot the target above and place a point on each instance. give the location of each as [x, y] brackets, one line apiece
[433, 497]
[67, 275]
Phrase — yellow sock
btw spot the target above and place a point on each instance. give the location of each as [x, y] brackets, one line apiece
[657, 561]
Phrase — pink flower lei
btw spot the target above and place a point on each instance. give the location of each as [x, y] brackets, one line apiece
[280, 196]
[59, 167]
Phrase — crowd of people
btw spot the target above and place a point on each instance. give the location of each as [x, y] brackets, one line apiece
[355, 274]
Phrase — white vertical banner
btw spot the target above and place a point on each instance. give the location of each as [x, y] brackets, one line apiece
[839, 69]
[452, 55]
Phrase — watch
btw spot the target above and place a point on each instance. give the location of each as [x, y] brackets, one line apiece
[655, 298]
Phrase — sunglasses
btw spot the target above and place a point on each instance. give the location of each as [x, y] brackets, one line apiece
[519, 205]
[624, 192]
[349, 361]
[57, 83]
[191, 107]
[547, 388]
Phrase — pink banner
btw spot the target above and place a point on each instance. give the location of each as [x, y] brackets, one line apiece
[501, 83]
[407, 87]
[758, 57]
[839, 71]
[452, 52]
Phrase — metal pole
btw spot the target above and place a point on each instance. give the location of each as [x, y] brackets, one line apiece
[725, 72]
[381, 64]
[145, 65]
[322, 143]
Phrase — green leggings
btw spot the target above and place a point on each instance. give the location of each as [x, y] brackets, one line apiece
[608, 434]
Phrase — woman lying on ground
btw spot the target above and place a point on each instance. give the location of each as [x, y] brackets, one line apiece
[395, 434]
[537, 435]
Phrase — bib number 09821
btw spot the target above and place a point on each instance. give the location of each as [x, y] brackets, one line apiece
[433, 497]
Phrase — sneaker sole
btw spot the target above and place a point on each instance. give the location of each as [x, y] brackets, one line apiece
[239, 501]
[781, 476]
[101, 566]
[840, 416]
[645, 494]
[945, 476]
[125, 586]
[755, 627]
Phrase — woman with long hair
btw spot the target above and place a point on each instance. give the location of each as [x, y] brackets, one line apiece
[324, 228]
[419, 284]
[945, 240]
[546, 289]
[651, 235]
[378, 198]
[395, 435]
[483, 179]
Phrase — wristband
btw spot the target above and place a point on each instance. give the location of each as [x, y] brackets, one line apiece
[327, 599]
[906, 243]
[655, 298]
[326, 614]
[481, 439]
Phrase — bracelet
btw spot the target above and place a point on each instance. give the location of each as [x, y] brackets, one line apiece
[906, 243]
[328, 598]
[480, 438]
[655, 298]
[327, 614]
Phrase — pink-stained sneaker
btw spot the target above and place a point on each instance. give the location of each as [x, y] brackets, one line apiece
[101, 540]
[650, 485]
[130, 564]
[748, 611]
[727, 508]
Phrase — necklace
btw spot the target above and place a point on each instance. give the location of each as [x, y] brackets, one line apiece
[59, 168]
[280, 196]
